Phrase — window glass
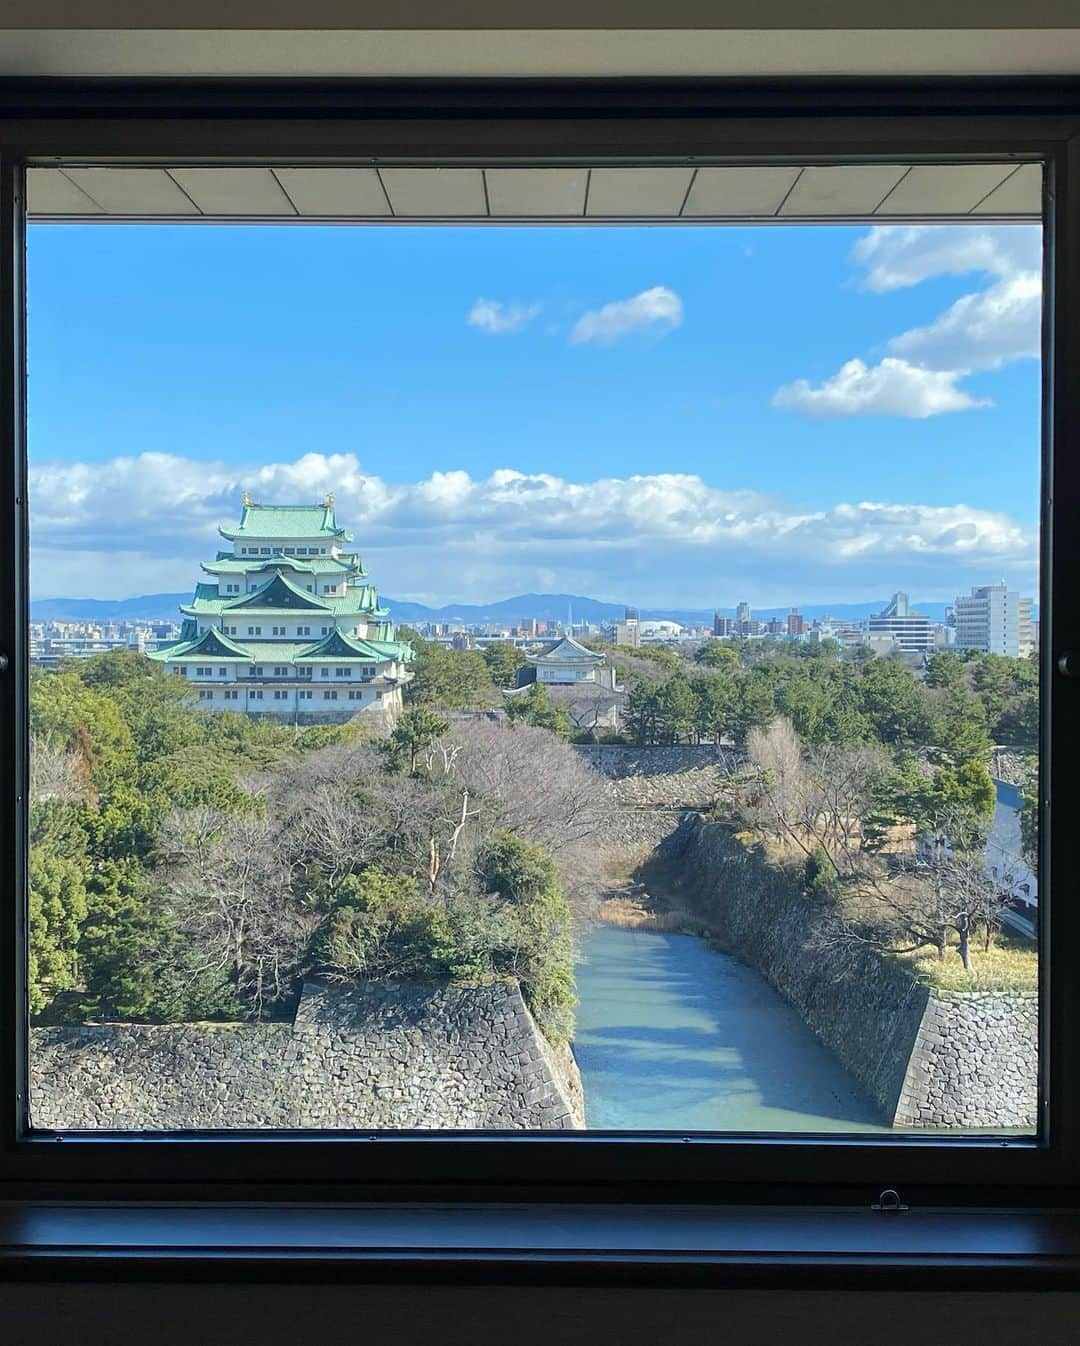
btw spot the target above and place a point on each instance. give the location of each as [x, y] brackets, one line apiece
[692, 576]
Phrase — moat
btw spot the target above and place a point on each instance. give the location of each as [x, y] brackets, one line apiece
[673, 1035]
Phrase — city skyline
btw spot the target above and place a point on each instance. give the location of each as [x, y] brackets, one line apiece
[513, 394]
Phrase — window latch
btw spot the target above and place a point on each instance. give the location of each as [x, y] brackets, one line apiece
[1068, 664]
[5, 663]
[889, 1202]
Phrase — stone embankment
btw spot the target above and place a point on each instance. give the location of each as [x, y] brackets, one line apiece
[653, 787]
[384, 1055]
[1010, 765]
[928, 1058]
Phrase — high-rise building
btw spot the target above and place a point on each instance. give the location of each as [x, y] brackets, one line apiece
[994, 619]
[722, 626]
[742, 614]
[285, 624]
[796, 623]
[910, 632]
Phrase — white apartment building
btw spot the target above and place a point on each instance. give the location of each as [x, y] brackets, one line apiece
[910, 632]
[996, 620]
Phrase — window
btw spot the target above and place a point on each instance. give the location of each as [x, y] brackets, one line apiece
[264, 551]
[280, 695]
[223, 672]
[325, 631]
[206, 696]
[303, 630]
[231, 695]
[303, 695]
[254, 630]
[281, 671]
[254, 695]
[277, 631]
[750, 731]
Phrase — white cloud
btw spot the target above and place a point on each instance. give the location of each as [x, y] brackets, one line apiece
[891, 388]
[492, 316]
[659, 307]
[663, 538]
[981, 331]
[897, 256]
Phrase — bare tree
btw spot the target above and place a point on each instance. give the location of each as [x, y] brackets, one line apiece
[56, 772]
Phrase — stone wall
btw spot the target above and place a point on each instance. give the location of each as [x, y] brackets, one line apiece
[460, 1056]
[926, 1058]
[683, 776]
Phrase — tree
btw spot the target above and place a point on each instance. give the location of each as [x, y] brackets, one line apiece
[717, 654]
[895, 704]
[676, 708]
[416, 730]
[537, 946]
[534, 707]
[503, 660]
[59, 869]
[448, 679]
[714, 704]
[755, 705]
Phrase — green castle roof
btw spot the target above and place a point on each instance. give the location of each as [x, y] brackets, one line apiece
[214, 644]
[277, 592]
[359, 600]
[259, 521]
[228, 564]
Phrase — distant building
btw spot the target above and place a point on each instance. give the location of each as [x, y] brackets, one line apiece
[909, 632]
[994, 619]
[742, 614]
[796, 624]
[660, 630]
[722, 626]
[285, 624]
[579, 680]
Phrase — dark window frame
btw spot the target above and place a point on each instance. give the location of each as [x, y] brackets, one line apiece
[526, 123]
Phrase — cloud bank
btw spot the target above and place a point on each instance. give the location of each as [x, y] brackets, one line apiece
[983, 330]
[143, 524]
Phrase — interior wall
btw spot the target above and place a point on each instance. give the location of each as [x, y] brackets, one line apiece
[269, 1314]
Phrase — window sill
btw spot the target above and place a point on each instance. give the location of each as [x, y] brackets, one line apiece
[521, 1244]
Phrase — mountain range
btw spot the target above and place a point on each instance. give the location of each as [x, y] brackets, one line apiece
[503, 612]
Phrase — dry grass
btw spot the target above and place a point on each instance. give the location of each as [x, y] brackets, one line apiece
[1010, 964]
[630, 913]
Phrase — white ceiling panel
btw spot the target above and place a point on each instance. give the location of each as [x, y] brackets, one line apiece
[334, 191]
[537, 191]
[133, 191]
[1019, 194]
[739, 191]
[943, 189]
[434, 192]
[638, 191]
[234, 191]
[49, 192]
[842, 189]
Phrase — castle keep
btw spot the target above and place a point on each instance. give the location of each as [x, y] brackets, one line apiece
[286, 625]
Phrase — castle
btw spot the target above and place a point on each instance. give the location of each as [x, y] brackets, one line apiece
[285, 624]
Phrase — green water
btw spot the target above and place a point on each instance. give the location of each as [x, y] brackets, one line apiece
[673, 1036]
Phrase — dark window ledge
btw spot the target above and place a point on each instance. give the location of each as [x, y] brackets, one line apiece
[613, 1244]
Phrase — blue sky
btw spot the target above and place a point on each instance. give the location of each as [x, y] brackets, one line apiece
[651, 415]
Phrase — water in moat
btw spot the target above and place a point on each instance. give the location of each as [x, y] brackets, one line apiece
[674, 1036]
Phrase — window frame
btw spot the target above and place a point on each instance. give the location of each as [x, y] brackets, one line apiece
[529, 122]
